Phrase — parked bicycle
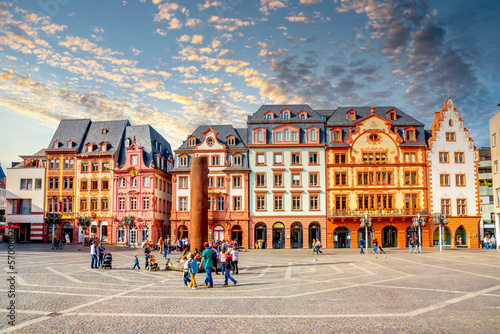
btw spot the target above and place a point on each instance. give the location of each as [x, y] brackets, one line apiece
[57, 245]
[128, 245]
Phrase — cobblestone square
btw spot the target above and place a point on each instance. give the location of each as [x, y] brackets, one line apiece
[278, 291]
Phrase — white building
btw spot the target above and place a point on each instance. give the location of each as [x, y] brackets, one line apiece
[25, 197]
[452, 162]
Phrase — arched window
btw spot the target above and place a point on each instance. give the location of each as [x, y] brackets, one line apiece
[269, 116]
[302, 117]
[260, 135]
[313, 135]
[286, 135]
[450, 122]
[285, 116]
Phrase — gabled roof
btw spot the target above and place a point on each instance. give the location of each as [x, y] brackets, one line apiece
[258, 116]
[223, 132]
[70, 129]
[339, 116]
[113, 135]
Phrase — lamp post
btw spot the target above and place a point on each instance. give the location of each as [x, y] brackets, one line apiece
[128, 221]
[366, 222]
[83, 221]
[440, 219]
[417, 222]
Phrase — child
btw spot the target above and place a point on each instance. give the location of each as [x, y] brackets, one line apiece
[235, 255]
[136, 262]
[186, 271]
[193, 270]
[168, 264]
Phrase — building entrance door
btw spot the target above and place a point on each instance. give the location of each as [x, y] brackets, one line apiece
[237, 234]
[278, 236]
[133, 236]
[24, 232]
[342, 237]
[389, 236]
[296, 241]
[314, 233]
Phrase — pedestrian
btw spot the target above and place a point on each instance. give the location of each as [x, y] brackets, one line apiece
[193, 265]
[208, 262]
[361, 245]
[185, 270]
[493, 242]
[486, 241]
[229, 266]
[222, 257]
[181, 245]
[410, 245]
[160, 245]
[146, 256]
[317, 247]
[417, 246]
[93, 255]
[136, 262]
[235, 255]
[375, 245]
[100, 253]
[215, 258]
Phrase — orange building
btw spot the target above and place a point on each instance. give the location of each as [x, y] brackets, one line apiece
[375, 163]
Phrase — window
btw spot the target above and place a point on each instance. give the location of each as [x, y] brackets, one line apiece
[105, 166]
[340, 202]
[459, 157]
[313, 202]
[261, 159]
[84, 185]
[71, 164]
[496, 166]
[374, 178]
[236, 181]
[53, 183]
[121, 203]
[295, 136]
[278, 202]
[183, 204]
[215, 160]
[133, 182]
[313, 158]
[210, 181]
[68, 183]
[183, 161]
[336, 136]
[302, 117]
[261, 202]
[313, 135]
[212, 204]
[444, 157]
[38, 183]
[93, 204]
[220, 182]
[121, 182]
[278, 158]
[260, 135]
[66, 164]
[94, 185]
[260, 179]
[296, 202]
[374, 157]
[145, 203]
[392, 116]
[182, 182]
[26, 184]
[313, 179]
[278, 136]
[285, 116]
[410, 135]
[411, 201]
[494, 139]
[85, 167]
[220, 204]
[192, 142]
[445, 206]
[340, 158]
[104, 204]
[89, 148]
[341, 178]
[461, 206]
[410, 177]
[133, 160]
[237, 160]
[57, 164]
[296, 180]
[230, 141]
[278, 179]
[286, 135]
[95, 166]
[269, 117]
[146, 181]
[366, 202]
[83, 204]
[237, 203]
[351, 116]
[133, 203]
[210, 141]
[460, 180]
[51, 164]
[450, 136]
[295, 157]
[444, 180]
[410, 157]
[105, 184]
[384, 201]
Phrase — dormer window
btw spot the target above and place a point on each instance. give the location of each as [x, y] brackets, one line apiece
[278, 136]
[104, 147]
[159, 147]
[260, 136]
[104, 131]
[127, 142]
[231, 141]
[237, 160]
[391, 114]
[285, 116]
[351, 115]
[286, 135]
[295, 136]
[302, 115]
[192, 141]
[313, 135]
[269, 115]
[336, 135]
[69, 144]
[410, 134]
[56, 144]
[89, 148]
[183, 161]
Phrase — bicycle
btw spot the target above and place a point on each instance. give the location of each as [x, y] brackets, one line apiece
[128, 245]
[57, 245]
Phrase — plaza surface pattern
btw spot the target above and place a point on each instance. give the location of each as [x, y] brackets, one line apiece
[278, 291]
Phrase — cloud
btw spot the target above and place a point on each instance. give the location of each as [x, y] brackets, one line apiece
[209, 4]
[229, 24]
[173, 97]
[309, 2]
[193, 22]
[174, 24]
[197, 39]
[53, 28]
[135, 51]
[267, 5]
[160, 32]
[98, 30]
[301, 18]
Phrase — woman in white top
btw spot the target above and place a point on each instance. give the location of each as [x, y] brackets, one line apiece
[235, 254]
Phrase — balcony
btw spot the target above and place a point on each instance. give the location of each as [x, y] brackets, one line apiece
[485, 176]
[485, 191]
[379, 213]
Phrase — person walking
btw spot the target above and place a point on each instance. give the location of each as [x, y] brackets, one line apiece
[317, 247]
[375, 245]
[100, 253]
[187, 280]
[193, 266]
[146, 256]
[206, 259]
[215, 258]
[229, 266]
[417, 246]
[235, 255]
[160, 245]
[136, 262]
[410, 245]
[493, 242]
[166, 248]
[362, 246]
[93, 255]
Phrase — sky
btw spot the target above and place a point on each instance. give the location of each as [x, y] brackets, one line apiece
[180, 64]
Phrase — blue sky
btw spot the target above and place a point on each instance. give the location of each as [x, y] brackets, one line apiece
[179, 64]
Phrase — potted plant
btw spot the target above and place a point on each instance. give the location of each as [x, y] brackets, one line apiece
[261, 243]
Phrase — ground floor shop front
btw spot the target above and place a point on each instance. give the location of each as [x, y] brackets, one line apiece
[141, 231]
[218, 230]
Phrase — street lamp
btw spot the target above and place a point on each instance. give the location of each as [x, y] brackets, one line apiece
[128, 221]
[417, 222]
[440, 219]
[83, 222]
[366, 222]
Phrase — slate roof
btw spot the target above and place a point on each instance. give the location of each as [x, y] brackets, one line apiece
[70, 129]
[339, 117]
[147, 137]
[223, 132]
[113, 136]
[258, 116]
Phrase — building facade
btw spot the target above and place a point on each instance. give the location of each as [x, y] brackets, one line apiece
[452, 162]
[26, 197]
[3, 199]
[495, 158]
[287, 193]
[227, 153]
[486, 201]
[375, 165]
[142, 196]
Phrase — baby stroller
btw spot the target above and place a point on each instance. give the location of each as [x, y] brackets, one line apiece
[153, 264]
[106, 261]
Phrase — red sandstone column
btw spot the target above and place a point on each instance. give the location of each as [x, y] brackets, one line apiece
[199, 203]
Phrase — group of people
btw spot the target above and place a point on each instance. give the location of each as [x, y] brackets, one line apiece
[489, 242]
[414, 245]
[96, 254]
[376, 248]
